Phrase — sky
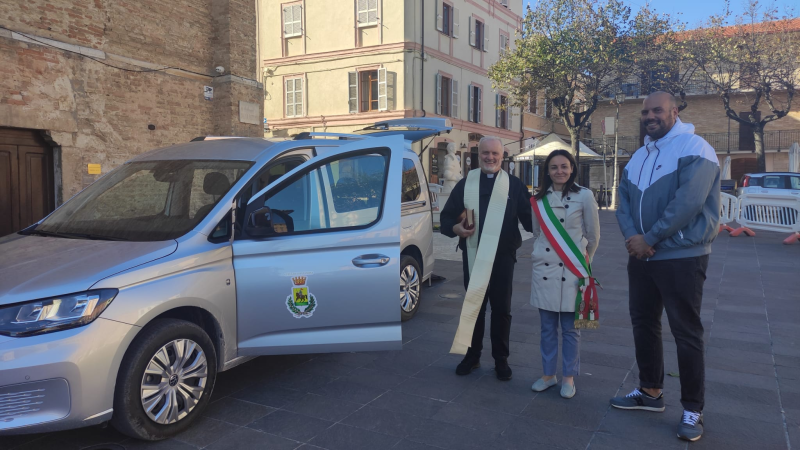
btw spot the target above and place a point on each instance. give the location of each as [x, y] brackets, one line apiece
[694, 12]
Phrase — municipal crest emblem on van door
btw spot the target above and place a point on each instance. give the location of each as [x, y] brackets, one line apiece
[301, 303]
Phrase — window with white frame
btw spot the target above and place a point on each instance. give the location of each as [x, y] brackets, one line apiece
[447, 18]
[368, 91]
[293, 21]
[294, 97]
[504, 43]
[504, 3]
[503, 114]
[477, 34]
[446, 96]
[367, 13]
[475, 99]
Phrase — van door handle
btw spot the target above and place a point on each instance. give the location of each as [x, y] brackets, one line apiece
[372, 260]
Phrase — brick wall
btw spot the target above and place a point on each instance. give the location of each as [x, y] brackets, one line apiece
[97, 114]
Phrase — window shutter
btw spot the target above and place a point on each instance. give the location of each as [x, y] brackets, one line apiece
[439, 16]
[472, 31]
[298, 96]
[485, 40]
[287, 21]
[372, 13]
[383, 98]
[497, 110]
[470, 108]
[363, 15]
[480, 105]
[438, 94]
[508, 116]
[455, 22]
[454, 100]
[352, 78]
[297, 15]
[289, 89]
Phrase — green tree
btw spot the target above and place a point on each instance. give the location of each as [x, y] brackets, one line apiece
[753, 63]
[572, 51]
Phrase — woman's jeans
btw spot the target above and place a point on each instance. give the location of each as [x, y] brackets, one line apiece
[570, 343]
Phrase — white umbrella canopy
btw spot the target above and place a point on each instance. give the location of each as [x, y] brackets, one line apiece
[794, 158]
[551, 142]
[726, 169]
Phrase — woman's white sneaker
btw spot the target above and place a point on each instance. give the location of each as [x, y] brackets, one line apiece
[541, 385]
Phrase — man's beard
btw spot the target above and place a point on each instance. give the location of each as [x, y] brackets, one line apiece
[660, 132]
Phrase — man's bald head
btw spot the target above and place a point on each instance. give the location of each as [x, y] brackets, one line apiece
[490, 154]
[659, 114]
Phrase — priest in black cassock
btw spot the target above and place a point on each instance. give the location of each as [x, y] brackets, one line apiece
[491, 192]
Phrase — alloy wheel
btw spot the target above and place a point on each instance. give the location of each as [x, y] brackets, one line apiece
[409, 288]
[174, 381]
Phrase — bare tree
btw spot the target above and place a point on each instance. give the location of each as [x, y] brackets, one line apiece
[754, 62]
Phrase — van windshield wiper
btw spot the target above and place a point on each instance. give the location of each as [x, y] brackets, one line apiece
[72, 235]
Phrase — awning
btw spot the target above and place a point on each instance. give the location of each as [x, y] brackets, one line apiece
[553, 142]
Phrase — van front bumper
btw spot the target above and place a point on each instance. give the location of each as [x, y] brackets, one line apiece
[61, 380]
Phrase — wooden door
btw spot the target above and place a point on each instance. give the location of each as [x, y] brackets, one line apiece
[26, 179]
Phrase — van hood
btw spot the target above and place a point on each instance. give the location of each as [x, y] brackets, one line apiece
[34, 267]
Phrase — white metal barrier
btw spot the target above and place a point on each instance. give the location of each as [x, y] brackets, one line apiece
[769, 212]
[729, 208]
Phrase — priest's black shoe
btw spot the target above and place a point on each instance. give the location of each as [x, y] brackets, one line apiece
[502, 370]
[468, 364]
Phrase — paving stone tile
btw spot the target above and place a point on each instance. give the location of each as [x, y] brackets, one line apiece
[435, 390]
[725, 431]
[602, 441]
[510, 403]
[791, 373]
[269, 395]
[375, 378]
[585, 410]
[292, 426]
[351, 391]
[237, 412]
[345, 437]
[445, 435]
[407, 362]
[246, 438]
[743, 379]
[168, 444]
[384, 421]
[354, 359]
[409, 404]
[323, 407]
[475, 418]
[520, 434]
[735, 365]
[206, 431]
[642, 427]
[411, 445]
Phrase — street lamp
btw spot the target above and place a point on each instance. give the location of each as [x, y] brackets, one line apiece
[619, 98]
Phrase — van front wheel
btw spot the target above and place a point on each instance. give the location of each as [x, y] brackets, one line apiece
[165, 380]
[410, 287]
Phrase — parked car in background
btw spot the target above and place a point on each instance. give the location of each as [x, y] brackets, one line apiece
[124, 303]
[780, 183]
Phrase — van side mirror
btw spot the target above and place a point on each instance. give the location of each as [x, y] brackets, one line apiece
[260, 222]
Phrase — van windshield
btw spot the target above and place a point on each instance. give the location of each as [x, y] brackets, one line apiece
[145, 201]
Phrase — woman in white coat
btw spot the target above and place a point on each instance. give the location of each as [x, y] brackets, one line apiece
[554, 287]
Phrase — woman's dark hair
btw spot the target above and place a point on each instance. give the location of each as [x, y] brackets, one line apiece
[569, 186]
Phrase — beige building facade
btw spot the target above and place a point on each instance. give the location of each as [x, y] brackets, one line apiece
[341, 65]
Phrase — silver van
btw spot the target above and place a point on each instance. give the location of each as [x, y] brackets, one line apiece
[125, 302]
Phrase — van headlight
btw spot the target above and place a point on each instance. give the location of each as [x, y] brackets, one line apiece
[55, 313]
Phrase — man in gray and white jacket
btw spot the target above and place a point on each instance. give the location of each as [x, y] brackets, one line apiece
[669, 215]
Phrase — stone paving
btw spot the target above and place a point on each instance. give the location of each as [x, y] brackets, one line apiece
[411, 399]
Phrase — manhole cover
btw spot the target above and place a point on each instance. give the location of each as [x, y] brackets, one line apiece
[451, 295]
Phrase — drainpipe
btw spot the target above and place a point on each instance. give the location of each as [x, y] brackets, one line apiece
[422, 75]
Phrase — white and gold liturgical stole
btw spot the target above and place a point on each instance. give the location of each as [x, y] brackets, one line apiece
[480, 258]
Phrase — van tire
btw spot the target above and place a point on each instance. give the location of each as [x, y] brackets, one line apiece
[410, 284]
[129, 416]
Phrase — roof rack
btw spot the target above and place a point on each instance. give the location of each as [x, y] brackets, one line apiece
[312, 134]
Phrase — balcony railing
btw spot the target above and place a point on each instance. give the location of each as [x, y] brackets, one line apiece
[779, 140]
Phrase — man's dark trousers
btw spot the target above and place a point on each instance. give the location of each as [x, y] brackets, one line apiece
[498, 295]
[674, 285]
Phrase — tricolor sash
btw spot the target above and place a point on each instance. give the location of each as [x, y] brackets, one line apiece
[480, 258]
[587, 313]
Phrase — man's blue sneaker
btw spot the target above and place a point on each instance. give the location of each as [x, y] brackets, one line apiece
[691, 426]
[639, 400]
